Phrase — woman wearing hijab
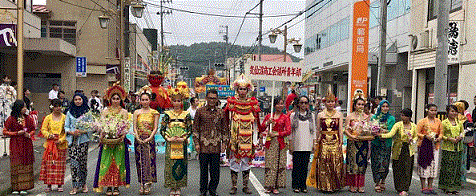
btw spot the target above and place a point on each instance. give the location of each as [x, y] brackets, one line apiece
[19, 127]
[78, 143]
[381, 149]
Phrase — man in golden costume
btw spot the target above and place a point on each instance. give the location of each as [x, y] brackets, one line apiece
[242, 113]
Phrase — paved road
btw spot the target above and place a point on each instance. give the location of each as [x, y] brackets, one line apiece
[193, 182]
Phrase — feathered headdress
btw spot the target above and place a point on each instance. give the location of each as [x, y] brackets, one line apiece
[330, 95]
[181, 91]
[242, 81]
[115, 89]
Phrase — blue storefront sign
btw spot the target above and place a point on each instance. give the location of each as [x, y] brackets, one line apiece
[81, 67]
[223, 90]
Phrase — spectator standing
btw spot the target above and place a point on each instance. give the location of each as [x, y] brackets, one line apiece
[53, 94]
[8, 95]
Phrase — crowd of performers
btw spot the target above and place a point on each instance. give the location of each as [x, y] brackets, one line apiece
[210, 130]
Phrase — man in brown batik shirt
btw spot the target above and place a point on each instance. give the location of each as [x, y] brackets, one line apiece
[210, 136]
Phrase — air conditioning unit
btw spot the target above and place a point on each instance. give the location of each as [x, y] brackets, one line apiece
[420, 41]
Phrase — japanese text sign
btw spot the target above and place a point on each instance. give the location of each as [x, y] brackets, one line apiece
[274, 71]
[8, 35]
[360, 48]
[454, 34]
[81, 67]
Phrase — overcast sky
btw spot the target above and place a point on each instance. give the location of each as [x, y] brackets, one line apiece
[186, 28]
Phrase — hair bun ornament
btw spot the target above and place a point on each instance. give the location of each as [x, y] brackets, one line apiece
[115, 89]
[145, 89]
[359, 94]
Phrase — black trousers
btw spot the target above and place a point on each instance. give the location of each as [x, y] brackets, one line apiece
[300, 169]
[209, 163]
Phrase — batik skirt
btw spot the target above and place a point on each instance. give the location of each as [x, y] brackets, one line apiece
[275, 166]
[145, 155]
[450, 171]
[175, 169]
[356, 162]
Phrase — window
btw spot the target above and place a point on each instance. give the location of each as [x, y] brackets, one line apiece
[328, 37]
[395, 9]
[65, 30]
[455, 5]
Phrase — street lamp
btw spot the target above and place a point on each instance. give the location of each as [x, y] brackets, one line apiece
[103, 21]
[137, 8]
[296, 45]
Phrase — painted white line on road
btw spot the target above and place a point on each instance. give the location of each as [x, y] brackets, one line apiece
[257, 185]
[69, 177]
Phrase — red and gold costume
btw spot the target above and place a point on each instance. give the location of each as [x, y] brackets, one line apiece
[242, 115]
[162, 100]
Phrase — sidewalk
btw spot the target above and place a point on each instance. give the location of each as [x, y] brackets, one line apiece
[5, 186]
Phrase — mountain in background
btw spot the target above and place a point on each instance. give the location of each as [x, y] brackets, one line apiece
[197, 57]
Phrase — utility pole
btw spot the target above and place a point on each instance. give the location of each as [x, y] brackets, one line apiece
[20, 8]
[441, 66]
[381, 82]
[225, 38]
[163, 12]
[260, 34]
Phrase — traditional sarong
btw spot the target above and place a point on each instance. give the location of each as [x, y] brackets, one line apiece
[175, 169]
[112, 169]
[356, 162]
[402, 169]
[145, 161]
[52, 170]
[430, 171]
[450, 171]
[330, 167]
[79, 164]
[275, 166]
[22, 178]
[380, 161]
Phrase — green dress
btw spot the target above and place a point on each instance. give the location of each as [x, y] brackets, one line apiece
[113, 168]
[176, 162]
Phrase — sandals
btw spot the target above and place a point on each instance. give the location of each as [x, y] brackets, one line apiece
[275, 191]
[85, 189]
[361, 190]
[304, 190]
[403, 193]
[382, 186]
[270, 191]
[141, 190]
[48, 189]
[297, 190]
[73, 192]
[233, 190]
[353, 190]
[109, 191]
[116, 191]
[378, 189]
[60, 189]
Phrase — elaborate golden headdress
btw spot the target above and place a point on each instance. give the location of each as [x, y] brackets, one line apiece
[182, 91]
[359, 94]
[330, 95]
[115, 89]
[242, 81]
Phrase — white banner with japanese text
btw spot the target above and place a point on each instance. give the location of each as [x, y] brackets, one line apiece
[454, 34]
[274, 71]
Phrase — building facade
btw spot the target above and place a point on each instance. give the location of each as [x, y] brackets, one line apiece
[328, 48]
[423, 52]
[46, 60]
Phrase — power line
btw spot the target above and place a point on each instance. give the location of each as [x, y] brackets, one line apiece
[219, 15]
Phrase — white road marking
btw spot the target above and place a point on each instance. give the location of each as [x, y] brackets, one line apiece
[257, 185]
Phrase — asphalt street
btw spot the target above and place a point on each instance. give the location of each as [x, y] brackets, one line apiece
[223, 188]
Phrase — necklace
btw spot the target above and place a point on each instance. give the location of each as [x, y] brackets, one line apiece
[328, 114]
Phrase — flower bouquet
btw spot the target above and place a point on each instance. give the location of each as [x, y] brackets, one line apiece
[112, 130]
[86, 122]
[363, 130]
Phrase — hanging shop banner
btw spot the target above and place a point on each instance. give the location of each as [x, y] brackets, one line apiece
[8, 35]
[360, 48]
[223, 90]
[274, 71]
[454, 34]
